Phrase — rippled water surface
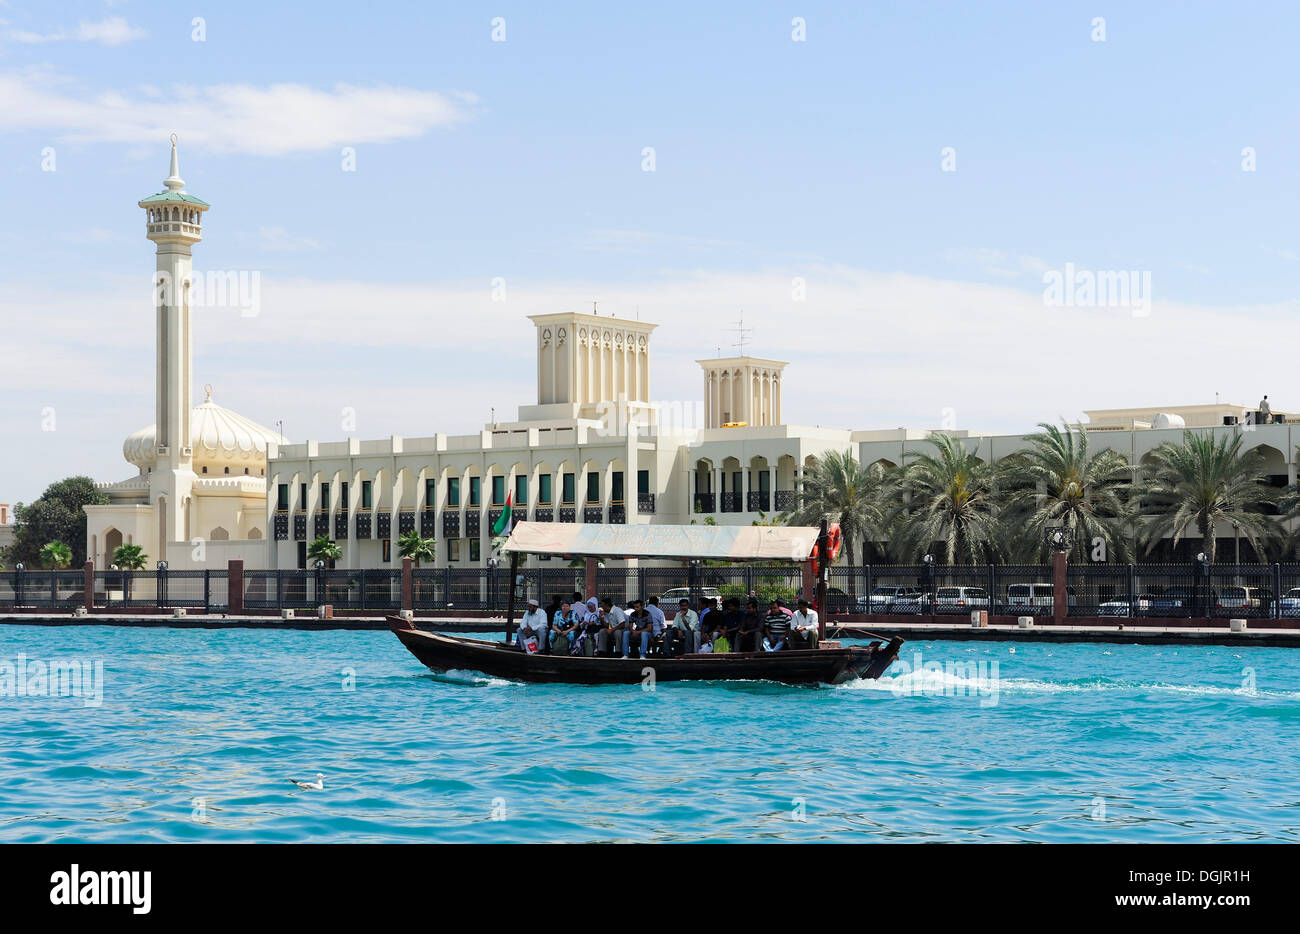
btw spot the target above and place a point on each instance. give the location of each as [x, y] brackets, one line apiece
[199, 732]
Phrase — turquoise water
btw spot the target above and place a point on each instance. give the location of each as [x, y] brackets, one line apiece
[199, 731]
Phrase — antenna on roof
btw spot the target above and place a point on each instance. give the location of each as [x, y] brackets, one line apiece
[742, 333]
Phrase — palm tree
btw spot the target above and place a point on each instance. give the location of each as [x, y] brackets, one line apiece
[1204, 481]
[1057, 481]
[839, 489]
[949, 497]
[418, 549]
[56, 555]
[323, 549]
[130, 557]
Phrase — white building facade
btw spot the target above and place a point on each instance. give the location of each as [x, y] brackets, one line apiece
[593, 448]
[211, 485]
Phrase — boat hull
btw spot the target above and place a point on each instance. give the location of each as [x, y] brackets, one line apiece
[799, 666]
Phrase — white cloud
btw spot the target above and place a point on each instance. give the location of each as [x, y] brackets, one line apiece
[1004, 264]
[111, 31]
[279, 240]
[866, 350]
[264, 120]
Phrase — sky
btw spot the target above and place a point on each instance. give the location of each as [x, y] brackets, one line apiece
[904, 200]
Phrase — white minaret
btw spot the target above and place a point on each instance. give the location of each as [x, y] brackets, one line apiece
[175, 223]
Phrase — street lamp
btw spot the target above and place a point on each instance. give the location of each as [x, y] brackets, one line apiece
[1058, 537]
[1200, 601]
[162, 565]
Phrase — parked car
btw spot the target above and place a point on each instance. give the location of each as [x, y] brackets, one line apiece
[677, 593]
[1181, 601]
[1248, 601]
[1141, 607]
[1289, 605]
[960, 599]
[882, 598]
[1035, 599]
[837, 601]
[911, 600]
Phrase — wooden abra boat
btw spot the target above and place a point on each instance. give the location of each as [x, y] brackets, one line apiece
[831, 665]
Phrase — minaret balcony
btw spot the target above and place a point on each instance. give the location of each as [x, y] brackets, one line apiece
[174, 230]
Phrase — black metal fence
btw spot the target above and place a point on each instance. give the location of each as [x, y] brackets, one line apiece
[360, 589]
[1102, 590]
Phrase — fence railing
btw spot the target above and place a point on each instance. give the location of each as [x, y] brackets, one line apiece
[1265, 591]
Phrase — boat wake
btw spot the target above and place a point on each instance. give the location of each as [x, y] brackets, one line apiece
[944, 683]
[468, 678]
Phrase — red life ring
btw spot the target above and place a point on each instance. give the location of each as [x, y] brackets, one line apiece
[834, 543]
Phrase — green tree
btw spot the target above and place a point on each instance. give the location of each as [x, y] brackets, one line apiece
[56, 555]
[836, 487]
[1203, 481]
[57, 515]
[418, 549]
[948, 497]
[129, 557]
[322, 549]
[1058, 481]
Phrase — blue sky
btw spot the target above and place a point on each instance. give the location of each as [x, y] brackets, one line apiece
[522, 160]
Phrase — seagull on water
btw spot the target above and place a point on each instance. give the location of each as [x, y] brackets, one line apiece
[318, 785]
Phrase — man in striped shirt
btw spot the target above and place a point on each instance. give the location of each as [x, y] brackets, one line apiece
[776, 628]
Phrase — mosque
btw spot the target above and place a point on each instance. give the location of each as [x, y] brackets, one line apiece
[199, 492]
[211, 485]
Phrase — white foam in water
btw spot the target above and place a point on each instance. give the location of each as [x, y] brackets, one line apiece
[935, 682]
[465, 676]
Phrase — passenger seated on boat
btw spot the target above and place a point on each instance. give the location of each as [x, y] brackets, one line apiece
[804, 634]
[613, 632]
[720, 641]
[683, 632]
[729, 622]
[776, 628]
[707, 606]
[750, 636]
[533, 624]
[564, 629]
[589, 626]
[652, 607]
[642, 623]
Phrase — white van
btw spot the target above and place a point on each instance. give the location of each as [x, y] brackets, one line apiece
[960, 599]
[1036, 598]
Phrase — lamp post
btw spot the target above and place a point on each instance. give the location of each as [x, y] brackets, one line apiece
[1201, 573]
[20, 570]
[320, 581]
[928, 596]
[1059, 539]
[161, 589]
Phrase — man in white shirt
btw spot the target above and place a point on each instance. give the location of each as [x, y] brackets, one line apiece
[533, 623]
[805, 628]
[685, 629]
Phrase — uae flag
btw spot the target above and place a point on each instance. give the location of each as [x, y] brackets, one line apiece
[503, 524]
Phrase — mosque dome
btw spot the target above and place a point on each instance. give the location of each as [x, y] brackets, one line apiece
[222, 439]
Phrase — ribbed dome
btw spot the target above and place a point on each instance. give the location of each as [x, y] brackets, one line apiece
[222, 438]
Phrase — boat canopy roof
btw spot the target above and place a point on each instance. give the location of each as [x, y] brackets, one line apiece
[720, 542]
